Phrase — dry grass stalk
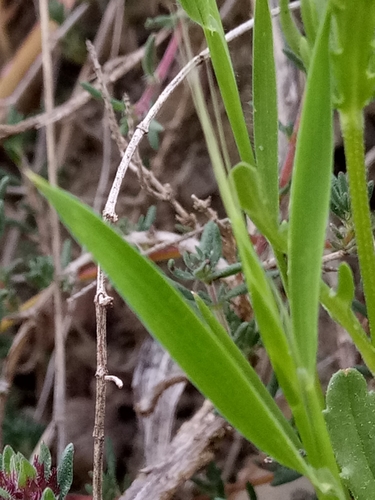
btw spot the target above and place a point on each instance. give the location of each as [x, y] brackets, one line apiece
[60, 382]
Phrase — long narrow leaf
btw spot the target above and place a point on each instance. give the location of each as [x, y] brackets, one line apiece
[206, 13]
[309, 205]
[172, 321]
[265, 107]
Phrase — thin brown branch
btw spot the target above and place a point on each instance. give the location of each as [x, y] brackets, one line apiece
[146, 407]
[102, 301]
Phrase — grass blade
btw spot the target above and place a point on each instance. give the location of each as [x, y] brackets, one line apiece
[309, 205]
[265, 107]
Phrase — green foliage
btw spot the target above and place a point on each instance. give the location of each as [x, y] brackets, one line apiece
[231, 381]
[212, 484]
[56, 11]
[40, 272]
[20, 431]
[144, 222]
[353, 59]
[202, 264]
[149, 59]
[163, 21]
[33, 480]
[309, 205]
[340, 196]
[350, 417]
[206, 13]
[191, 326]
[247, 179]
[154, 131]
[117, 105]
[265, 108]
[65, 471]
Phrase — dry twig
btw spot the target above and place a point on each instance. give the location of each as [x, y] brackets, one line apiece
[190, 450]
[114, 70]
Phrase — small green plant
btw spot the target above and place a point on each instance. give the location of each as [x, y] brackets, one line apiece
[35, 480]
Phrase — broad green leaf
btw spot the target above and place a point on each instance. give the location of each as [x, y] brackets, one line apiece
[265, 108]
[65, 471]
[172, 321]
[353, 52]
[309, 205]
[350, 417]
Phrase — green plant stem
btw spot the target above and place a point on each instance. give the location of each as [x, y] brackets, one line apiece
[352, 129]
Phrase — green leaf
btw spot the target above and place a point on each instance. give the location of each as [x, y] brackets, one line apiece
[345, 286]
[350, 416]
[310, 17]
[149, 59]
[206, 13]
[2, 218]
[49, 495]
[290, 31]
[95, 93]
[65, 471]
[26, 471]
[8, 454]
[200, 11]
[163, 21]
[44, 457]
[5, 495]
[309, 205]
[172, 321]
[341, 311]
[4, 182]
[265, 107]
[353, 52]
[210, 243]
[248, 184]
[153, 134]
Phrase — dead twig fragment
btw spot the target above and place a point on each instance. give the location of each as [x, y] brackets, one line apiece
[190, 450]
